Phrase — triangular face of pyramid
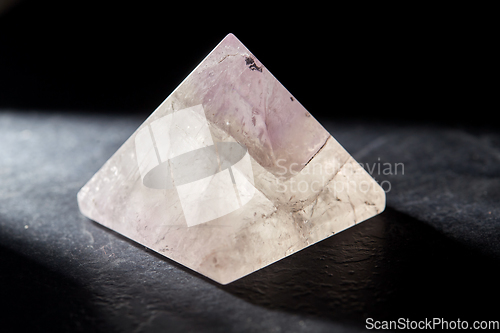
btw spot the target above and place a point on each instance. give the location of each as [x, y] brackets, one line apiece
[230, 173]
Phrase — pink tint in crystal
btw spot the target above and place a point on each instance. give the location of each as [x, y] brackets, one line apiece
[230, 173]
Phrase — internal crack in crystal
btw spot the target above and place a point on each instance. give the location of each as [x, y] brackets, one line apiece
[322, 146]
[228, 55]
[289, 206]
[330, 180]
[352, 206]
[314, 206]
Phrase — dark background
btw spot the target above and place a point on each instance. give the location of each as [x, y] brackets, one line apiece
[419, 63]
[414, 85]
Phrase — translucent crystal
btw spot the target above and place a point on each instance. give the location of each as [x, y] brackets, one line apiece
[230, 173]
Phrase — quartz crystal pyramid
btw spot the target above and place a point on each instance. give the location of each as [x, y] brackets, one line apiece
[230, 173]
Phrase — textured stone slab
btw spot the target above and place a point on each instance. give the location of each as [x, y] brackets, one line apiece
[230, 173]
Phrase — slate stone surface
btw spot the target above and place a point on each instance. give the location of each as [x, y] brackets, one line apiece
[434, 252]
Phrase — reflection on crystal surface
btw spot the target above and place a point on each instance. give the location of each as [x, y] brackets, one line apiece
[230, 173]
